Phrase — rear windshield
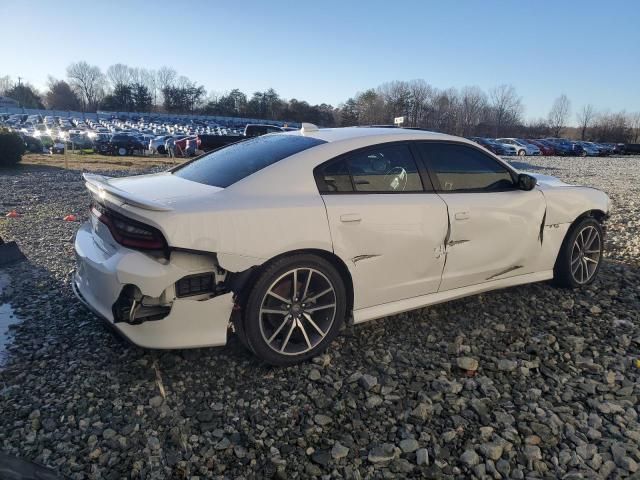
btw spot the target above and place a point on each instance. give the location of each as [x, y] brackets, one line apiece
[226, 166]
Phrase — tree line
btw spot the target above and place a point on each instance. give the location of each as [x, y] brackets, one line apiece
[469, 111]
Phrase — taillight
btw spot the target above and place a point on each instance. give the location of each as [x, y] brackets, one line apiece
[128, 232]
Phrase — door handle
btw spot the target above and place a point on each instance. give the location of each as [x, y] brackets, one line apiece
[350, 217]
[462, 215]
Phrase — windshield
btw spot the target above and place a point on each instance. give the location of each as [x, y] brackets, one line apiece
[228, 165]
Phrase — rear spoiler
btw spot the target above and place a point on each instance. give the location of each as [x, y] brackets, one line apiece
[99, 186]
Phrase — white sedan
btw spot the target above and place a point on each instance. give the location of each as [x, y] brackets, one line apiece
[283, 238]
[522, 147]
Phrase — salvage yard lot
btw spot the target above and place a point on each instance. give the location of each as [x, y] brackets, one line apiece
[96, 161]
[557, 389]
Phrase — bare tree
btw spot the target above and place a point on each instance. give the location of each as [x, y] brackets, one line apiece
[444, 110]
[506, 107]
[421, 92]
[148, 78]
[183, 82]
[559, 114]
[119, 74]
[585, 118]
[397, 98]
[165, 77]
[612, 127]
[5, 84]
[472, 105]
[370, 107]
[634, 124]
[135, 74]
[88, 81]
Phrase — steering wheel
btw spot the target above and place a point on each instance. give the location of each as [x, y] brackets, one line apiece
[396, 178]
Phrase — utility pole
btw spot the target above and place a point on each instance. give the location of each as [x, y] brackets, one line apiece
[19, 81]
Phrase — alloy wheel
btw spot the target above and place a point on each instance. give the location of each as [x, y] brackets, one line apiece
[297, 311]
[585, 254]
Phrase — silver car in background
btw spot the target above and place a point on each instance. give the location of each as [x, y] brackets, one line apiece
[522, 147]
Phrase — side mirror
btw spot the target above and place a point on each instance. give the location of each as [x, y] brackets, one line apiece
[526, 182]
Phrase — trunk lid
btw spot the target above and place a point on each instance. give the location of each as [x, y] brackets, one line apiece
[160, 192]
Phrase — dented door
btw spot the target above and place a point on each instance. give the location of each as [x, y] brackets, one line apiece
[392, 243]
[492, 235]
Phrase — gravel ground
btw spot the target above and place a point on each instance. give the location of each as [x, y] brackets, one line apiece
[555, 395]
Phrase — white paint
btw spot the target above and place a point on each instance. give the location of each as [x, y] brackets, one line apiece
[406, 305]
[402, 230]
[497, 231]
[190, 324]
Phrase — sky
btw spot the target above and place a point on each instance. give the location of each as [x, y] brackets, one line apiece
[327, 51]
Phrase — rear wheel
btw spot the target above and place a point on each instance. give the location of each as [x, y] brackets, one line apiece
[294, 310]
[580, 256]
[521, 153]
[122, 151]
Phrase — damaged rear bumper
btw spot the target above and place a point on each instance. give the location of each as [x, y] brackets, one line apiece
[105, 271]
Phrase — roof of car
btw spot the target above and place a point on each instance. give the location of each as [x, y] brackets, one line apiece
[385, 134]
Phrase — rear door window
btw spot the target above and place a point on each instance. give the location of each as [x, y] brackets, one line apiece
[386, 169]
[380, 169]
[228, 165]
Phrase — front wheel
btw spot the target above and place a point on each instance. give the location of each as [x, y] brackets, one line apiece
[122, 151]
[294, 310]
[521, 153]
[581, 254]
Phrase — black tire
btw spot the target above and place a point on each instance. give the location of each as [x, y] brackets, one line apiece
[562, 271]
[521, 153]
[122, 151]
[252, 319]
[238, 323]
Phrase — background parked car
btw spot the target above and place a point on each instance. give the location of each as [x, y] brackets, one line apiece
[607, 148]
[182, 148]
[522, 147]
[192, 146]
[565, 147]
[58, 146]
[156, 145]
[492, 146]
[79, 141]
[255, 130]
[122, 145]
[545, 148]
[33, 144]
[212, 142]
[591, 149]
[619, 148]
